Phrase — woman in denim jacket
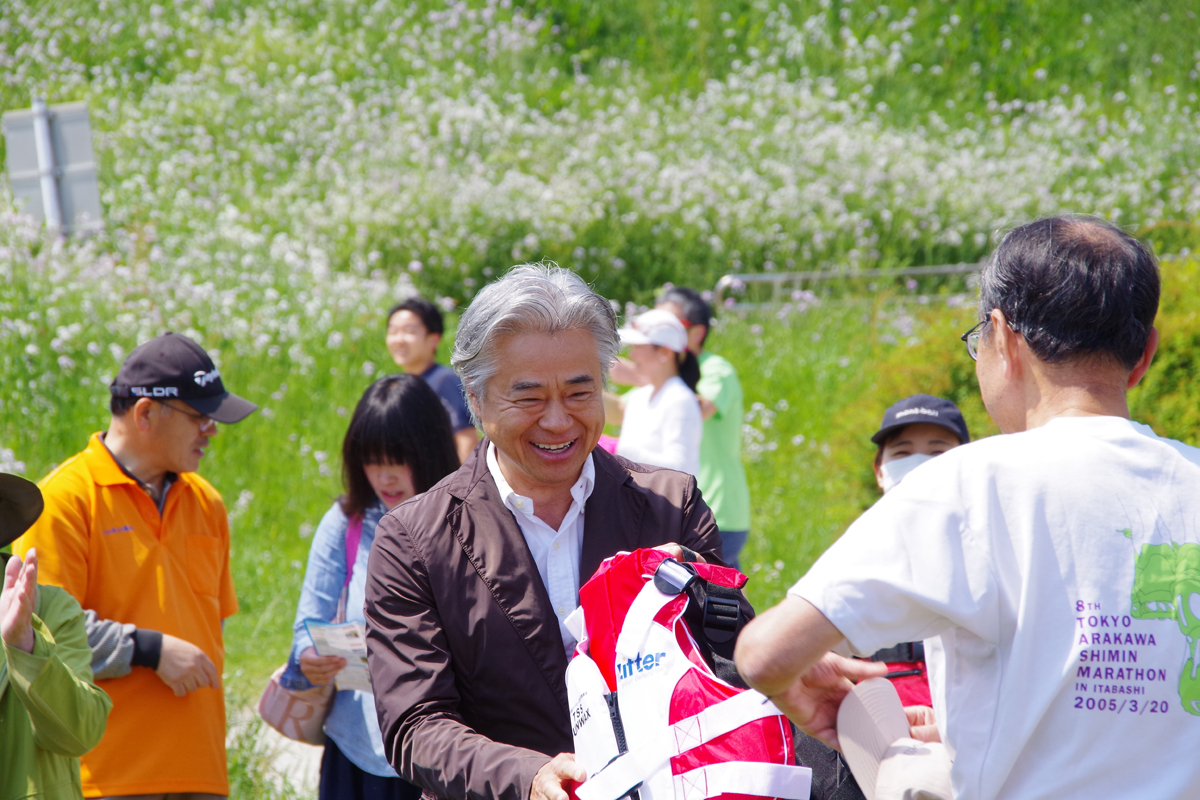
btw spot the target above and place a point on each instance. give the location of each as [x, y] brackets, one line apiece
[398, 445]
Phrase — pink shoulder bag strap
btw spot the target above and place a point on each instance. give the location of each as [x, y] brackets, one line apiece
[353, 537]
[300, 715]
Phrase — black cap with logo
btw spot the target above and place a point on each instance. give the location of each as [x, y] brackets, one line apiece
[172, 366]
[922, 408]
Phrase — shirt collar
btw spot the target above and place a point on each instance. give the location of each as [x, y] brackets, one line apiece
[105, 469]
[159, 498]
[519, 504]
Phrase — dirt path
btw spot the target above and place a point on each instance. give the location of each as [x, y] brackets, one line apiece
[299, 763]
[294, 763]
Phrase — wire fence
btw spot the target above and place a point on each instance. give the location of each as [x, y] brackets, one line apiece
[763, 290]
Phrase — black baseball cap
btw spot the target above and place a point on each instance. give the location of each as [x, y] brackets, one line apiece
[173, 366]
[20, 506]
[922, 408]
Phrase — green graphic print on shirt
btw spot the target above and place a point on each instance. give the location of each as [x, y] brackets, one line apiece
[1166, 585]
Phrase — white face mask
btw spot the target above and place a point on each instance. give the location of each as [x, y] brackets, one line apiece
[893, 472]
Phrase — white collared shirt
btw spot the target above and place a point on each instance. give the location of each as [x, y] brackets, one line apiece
[556, 553]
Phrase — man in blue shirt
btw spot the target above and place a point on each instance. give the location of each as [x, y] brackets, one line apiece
[414, 332]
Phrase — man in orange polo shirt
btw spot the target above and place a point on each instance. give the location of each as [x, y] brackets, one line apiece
[142, 542]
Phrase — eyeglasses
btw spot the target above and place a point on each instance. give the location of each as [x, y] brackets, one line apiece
[971, 338]
[205, 422]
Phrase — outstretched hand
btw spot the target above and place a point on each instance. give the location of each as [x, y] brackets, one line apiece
[813, 699]
[18, 599]
[783, 653]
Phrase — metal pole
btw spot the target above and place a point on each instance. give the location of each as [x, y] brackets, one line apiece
[47, 169]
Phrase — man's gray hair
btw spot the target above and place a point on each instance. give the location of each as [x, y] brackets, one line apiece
[530, 298]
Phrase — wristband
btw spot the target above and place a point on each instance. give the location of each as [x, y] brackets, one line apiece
[147, 648]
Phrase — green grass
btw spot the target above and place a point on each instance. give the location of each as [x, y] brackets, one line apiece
[279, 469]
[276, 173]
[638, 141]
[252, 776]
[815, 382]
[981, 49]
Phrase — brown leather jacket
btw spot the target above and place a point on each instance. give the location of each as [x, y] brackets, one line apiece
[464, 649]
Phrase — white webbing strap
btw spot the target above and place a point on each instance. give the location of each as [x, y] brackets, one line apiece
[630, 769]
[615, 780]
[639, 618]
[743, 777]
[721, 718]
[733, 777]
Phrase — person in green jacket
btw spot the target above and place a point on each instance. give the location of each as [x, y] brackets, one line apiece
[51, 712]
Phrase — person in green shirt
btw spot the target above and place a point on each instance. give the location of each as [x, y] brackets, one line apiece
[51, 712]
[722, 479]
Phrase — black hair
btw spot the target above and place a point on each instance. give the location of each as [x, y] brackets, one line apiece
[119, 406]
[398, 420]
[1074, 287]
[689, 368]
[431, 316]
[696, 310]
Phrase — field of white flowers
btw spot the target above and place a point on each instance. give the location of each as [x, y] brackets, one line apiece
[443, 144]
[276, 173]
[273, 173]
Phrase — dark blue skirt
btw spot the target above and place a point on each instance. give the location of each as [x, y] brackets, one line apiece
[342, 780]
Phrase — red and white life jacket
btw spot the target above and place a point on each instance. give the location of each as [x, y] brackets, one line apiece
[649, 717]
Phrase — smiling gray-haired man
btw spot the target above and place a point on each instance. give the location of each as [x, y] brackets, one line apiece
[469, 584]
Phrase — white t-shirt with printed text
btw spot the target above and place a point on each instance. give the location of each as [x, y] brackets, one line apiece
[1056, 575]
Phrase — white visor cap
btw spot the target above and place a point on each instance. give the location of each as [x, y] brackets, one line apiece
[888, 765]
[656, 327]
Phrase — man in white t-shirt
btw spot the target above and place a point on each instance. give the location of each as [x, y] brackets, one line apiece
[1054, 572]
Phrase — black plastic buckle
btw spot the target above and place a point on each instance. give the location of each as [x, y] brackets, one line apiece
[721, 618]
[671, 577]
[904, 652]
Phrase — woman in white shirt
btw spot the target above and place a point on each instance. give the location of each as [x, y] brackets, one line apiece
[660, 421]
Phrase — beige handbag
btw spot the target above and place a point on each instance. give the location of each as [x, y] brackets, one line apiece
[300, 714]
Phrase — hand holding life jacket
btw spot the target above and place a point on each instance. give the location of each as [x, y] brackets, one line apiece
[650, 719]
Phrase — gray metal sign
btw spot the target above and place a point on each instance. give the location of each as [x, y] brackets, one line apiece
[50, 165]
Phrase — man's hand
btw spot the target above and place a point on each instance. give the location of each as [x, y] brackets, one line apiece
[319, 669]
[18, 599]
[675, 551]
[783, 653]
[921, 724]
[551, 781]
[813, 699]
[184, 667]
